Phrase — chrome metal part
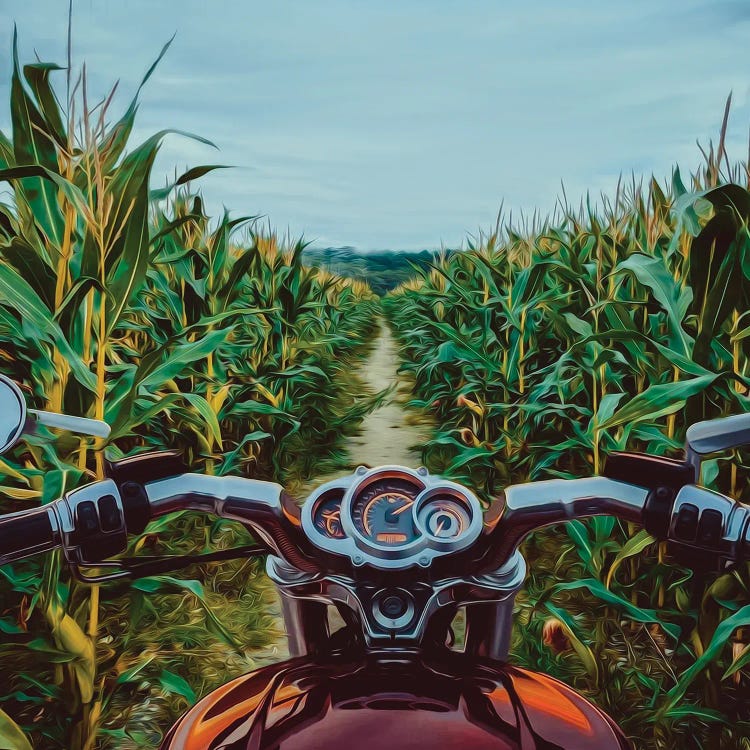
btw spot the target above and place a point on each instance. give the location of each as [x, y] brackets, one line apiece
[291, 614]
[79, 425]
[212, 494]
[531, 506]
[69, 510]
[567, 499]
[715, 435]
[209, 493]
[419, 550]
[422, 600]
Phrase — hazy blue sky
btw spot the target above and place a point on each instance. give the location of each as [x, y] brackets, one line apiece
[406, 124]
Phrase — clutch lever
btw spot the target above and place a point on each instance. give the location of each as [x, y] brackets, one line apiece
[133, 568]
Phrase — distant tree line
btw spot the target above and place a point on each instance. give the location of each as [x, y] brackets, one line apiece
[383, 270]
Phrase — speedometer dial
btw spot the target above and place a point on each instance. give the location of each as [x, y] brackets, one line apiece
[383, 512]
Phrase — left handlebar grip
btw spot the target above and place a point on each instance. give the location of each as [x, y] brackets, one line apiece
[91, 523]
[27, 532]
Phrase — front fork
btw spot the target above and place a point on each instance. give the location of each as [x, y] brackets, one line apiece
[489, 626]
[488, 600]
[305, 623]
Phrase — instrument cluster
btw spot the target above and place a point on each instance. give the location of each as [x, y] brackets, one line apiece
[392, 517]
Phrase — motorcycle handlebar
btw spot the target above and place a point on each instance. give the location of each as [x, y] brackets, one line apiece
[703, 527]
[264, 507]
[92, 523]
[524, 508]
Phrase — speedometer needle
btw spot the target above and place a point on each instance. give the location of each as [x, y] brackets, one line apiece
[404, 507]
[391, 515]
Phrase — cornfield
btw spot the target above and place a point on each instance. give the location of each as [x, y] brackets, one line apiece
[542, 348]
[210, 336]
[539, 350]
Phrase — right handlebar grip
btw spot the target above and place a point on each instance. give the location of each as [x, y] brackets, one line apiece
[25, 533]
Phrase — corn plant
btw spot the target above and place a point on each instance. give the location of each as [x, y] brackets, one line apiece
[542, 348]
[130, 305]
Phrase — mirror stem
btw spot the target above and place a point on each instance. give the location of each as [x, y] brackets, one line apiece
[80, 425]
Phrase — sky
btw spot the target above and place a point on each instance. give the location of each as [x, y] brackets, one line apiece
[408, 124]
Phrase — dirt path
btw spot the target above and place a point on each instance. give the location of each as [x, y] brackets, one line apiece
[390, 434]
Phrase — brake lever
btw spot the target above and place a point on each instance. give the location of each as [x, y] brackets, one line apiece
[148, 565]
[714, 436]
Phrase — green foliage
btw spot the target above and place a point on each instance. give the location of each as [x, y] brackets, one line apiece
[121, 303]
[539, 351]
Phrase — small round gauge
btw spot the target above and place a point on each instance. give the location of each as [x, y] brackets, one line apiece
[383, 512]
[327, 515]
[444, 517]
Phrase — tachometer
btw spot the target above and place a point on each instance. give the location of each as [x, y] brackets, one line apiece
[326, 515]
[444, 517]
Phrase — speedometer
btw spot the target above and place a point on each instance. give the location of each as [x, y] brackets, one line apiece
[382, 512]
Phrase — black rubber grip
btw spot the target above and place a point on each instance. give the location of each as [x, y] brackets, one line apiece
[25, 531]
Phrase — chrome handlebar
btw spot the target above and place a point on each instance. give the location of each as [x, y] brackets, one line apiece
[264, 507]
[91, 523]
[703, 527]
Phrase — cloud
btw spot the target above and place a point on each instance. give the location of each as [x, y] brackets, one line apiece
[408, 124]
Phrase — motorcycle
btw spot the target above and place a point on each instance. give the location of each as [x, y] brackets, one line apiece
[396, 552]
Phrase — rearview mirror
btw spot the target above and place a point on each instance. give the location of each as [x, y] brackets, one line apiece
[715, 435]
[15, 419]
[12, 414]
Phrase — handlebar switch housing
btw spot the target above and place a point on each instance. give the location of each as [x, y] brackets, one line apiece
[146, 467]
[648, 471]
[93, 523]
[708, 529]
[663, 476]
[132, 473]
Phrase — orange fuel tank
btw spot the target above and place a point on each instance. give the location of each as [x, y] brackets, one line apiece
[390, 703]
